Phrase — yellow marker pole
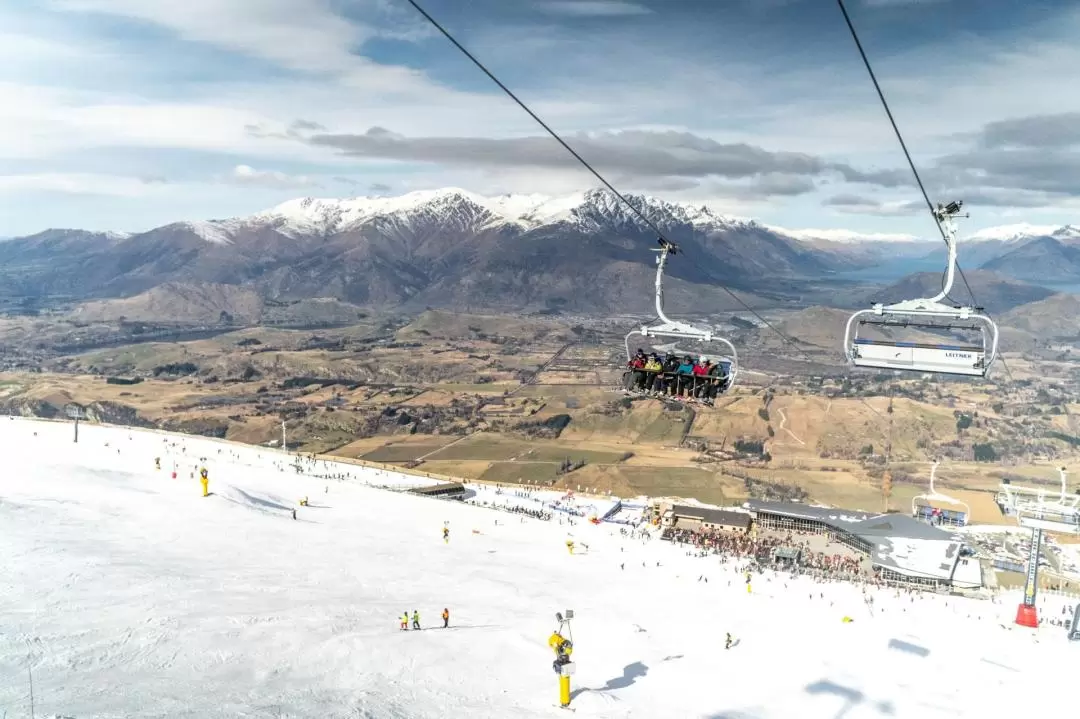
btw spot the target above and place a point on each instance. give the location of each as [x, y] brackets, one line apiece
[564, 690]
[205, 486]
[748, 589]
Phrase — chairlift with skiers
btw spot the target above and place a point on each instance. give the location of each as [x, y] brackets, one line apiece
[928, 501]
[721, 352]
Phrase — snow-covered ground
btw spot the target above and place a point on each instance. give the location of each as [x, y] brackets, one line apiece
[559, 504]
[129, 594]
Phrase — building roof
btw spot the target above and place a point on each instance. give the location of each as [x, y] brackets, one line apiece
[929, 558]
[443, 488]
[711, 515]
[863, 524]
[899, 525]
[840, 518]
[902, 543]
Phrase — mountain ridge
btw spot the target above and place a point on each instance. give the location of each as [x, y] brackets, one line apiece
[451, 248]
[312, 214]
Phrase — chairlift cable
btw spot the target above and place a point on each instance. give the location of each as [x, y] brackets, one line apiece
[910, 161]
[652, 225]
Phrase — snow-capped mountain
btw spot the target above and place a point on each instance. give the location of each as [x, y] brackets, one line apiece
[457, 208]
[587, 251]
[1023, 231]
[848, 236]
[1038, 253]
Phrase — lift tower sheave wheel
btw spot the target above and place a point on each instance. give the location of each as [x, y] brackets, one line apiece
[940, 358]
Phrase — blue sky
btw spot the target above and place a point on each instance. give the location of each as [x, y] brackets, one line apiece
[127, 114]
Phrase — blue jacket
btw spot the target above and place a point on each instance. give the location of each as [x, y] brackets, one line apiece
[686, 368]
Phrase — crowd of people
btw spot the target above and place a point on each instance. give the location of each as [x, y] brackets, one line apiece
[679, 378]
[513, 509]
[760, 550]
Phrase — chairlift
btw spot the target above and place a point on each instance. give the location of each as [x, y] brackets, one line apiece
[922, 501]
[1038, 508]
[667, 328]
[972, 360]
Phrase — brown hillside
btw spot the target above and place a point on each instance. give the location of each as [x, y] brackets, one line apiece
[824, 327]
[1054, 317]
[178, 302]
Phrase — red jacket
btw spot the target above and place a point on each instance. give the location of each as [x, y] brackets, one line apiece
[636, 363]
[700, 369]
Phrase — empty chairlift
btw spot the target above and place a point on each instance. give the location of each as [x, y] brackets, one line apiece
[718, 350]
[971, 359]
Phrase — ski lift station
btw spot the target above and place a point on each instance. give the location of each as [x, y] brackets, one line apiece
[901, 549]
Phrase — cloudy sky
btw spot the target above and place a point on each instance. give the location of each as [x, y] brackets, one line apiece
[127, 114]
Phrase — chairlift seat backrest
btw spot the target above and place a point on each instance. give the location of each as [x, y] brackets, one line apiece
[945, 359]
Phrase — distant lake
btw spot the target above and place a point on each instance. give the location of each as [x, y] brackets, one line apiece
[892, 270]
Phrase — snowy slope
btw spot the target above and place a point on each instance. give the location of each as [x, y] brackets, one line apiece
[133, 596]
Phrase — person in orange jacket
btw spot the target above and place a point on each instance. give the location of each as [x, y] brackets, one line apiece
[445, 618]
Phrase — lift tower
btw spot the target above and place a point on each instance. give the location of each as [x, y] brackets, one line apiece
[1039, 510]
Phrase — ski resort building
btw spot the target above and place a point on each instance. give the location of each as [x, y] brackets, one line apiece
[685, 516]
[693, 517]
[902, 549]
[447, 490]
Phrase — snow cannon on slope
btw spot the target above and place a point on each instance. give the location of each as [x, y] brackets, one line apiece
[562, 644]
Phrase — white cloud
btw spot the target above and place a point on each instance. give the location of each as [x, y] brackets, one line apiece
[593, 8]
[249, 176]
[859, 205]
[84, 183]
[827, 110]
[46, 122]
[300, 34]
[900, 3]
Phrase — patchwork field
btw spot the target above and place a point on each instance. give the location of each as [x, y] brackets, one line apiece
[521, 400]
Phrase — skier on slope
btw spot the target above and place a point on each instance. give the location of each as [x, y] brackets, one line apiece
[415, 619]
[445, 618]
[405, 621]
[727, 641]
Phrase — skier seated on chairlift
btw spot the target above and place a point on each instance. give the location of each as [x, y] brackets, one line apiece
[675, 377]
[654, 368]
[635, 377]
[685, 375]
[665, 381]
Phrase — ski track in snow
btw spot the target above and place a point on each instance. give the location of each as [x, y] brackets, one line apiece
[133, 596]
